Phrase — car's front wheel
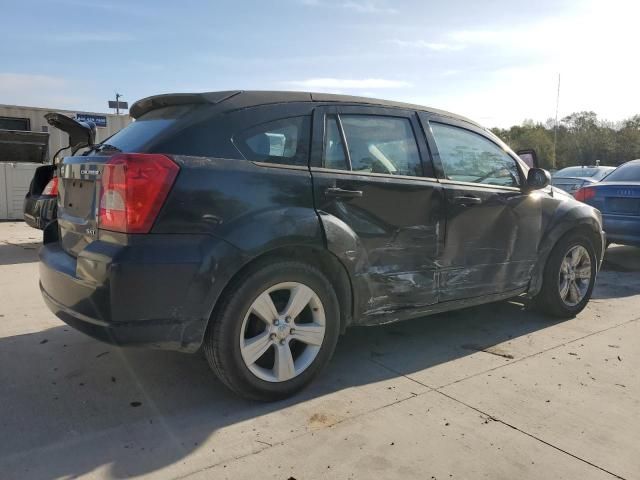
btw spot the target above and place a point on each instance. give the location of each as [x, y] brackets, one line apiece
[275, 331]
[569, 277]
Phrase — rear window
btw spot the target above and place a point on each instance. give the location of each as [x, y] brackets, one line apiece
[629, 172]
[148, 127]
[578, 172]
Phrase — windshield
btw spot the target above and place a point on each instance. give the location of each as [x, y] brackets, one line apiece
[629, 172]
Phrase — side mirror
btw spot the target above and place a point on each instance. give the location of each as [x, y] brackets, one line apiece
[529, 157]
[538, 178]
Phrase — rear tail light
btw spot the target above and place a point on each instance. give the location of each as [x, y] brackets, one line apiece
[134, 187]
[585, 193]
[51, 188]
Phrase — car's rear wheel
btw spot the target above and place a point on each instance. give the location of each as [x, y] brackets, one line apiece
[569, 277]
[275, 331]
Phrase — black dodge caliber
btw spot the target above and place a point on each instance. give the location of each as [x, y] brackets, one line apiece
[260, 225]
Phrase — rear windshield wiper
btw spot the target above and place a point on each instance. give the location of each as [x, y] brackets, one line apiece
[102, 147]
[107, 146]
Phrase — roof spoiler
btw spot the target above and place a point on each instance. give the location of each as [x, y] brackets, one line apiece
[145, 105]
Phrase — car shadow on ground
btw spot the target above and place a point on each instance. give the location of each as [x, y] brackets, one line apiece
[71, 405]
[14, 253]
[87, 404]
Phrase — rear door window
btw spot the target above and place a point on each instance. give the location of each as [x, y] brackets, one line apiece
[376, 144]
[284, 141]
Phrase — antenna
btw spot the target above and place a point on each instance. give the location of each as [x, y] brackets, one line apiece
[555, 128]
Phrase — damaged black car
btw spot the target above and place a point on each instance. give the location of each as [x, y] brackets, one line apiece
[258, 226]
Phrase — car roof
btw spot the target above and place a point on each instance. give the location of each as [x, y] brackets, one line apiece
[239, 99]
[581, 167]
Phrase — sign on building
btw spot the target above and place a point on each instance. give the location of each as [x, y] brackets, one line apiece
[99, 120]
[118, 104]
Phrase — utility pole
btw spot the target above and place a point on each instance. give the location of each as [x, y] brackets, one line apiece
[555, 129]
[118, 96]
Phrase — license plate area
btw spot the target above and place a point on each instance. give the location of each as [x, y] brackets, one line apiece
[626, 206]
[79, 198]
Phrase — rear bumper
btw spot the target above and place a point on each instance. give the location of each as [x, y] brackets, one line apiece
[39, 210]
[157, 292]
[623, 229]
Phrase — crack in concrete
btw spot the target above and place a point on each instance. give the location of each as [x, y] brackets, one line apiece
[535, 354]
[496, 419]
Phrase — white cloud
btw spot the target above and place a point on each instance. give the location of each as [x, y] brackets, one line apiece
[38, 91]
[592, 49]
[422, 44]
[361, 6]
[13, 82]
[368, 7]
[348, 83]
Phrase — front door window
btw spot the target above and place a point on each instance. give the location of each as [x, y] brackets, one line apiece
[469, 157]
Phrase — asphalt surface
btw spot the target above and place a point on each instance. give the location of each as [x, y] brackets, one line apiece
[489, 392]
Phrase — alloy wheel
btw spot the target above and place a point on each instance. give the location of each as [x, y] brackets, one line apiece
[575, 275]
[282, 332]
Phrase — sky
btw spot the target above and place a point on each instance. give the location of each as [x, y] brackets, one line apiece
[495, 61]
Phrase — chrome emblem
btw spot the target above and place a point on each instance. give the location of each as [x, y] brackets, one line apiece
[91, 231]
[89, 172]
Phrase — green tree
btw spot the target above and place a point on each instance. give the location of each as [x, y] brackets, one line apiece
[582, 138]
[530, 135]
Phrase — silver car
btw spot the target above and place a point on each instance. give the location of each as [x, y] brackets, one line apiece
[572, 179]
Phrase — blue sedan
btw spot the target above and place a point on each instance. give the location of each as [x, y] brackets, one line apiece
[618, 198]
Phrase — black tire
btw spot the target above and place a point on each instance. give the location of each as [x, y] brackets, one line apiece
[222, 340]
[549, 299]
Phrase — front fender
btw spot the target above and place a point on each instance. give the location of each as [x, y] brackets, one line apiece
[569, 216]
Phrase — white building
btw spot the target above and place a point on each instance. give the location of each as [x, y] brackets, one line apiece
[27, 140]
[14, 117]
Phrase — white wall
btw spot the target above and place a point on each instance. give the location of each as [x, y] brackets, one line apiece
[15, 178]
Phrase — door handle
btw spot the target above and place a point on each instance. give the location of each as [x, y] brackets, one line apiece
[467, 200]
[342, 193]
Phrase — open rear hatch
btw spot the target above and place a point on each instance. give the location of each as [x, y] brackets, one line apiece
[81, 134]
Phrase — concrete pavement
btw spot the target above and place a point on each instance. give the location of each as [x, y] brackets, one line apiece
[494, 391]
